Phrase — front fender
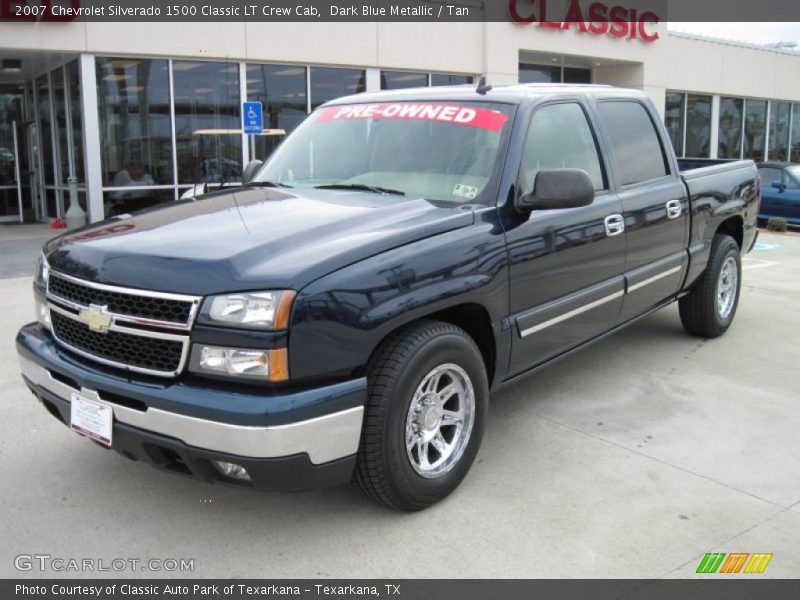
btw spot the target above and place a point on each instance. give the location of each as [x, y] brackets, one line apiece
[339, 319]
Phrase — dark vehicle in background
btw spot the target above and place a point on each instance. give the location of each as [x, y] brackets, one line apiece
[345, 314]
[780, 191]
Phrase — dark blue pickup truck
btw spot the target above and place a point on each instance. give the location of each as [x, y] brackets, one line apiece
[345, 314]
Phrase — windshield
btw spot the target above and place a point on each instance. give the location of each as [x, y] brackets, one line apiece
[440, 151]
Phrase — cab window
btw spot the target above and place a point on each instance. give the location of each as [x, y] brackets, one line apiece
[559, 136]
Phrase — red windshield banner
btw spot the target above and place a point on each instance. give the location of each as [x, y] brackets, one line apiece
[470, 116]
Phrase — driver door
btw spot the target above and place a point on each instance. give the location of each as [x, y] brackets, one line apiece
[566, 264]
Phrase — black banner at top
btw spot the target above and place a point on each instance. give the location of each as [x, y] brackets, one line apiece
[522, 11]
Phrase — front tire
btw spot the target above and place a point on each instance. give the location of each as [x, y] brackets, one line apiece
[425, 416]
[708, 310]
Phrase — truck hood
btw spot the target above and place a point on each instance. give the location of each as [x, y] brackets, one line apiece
[251, 238]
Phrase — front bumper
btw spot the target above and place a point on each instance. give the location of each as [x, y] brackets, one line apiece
[287, 442]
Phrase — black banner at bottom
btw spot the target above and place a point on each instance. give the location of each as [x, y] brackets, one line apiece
[727, 588]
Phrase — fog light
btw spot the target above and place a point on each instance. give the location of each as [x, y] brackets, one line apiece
[42, 313]
[232, 470]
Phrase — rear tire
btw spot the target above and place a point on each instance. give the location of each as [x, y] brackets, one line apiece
[425, 416]
[708, 310]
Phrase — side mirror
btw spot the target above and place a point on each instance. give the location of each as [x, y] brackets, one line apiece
[557, 188]
[250, 170]
[779, 186]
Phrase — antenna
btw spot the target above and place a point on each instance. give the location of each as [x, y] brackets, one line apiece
[482, 87]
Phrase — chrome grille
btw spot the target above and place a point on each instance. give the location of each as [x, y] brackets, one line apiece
[166, 308]
[153, 354]
[141, 331]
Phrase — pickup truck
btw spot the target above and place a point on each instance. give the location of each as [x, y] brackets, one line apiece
[345, 314]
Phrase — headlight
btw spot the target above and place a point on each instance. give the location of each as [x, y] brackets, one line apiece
[264, 365]
[251, 310]
[42, 273]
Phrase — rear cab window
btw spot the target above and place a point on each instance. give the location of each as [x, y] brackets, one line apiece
[634, 142]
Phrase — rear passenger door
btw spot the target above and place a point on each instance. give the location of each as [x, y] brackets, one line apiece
[566, 265]
[655, 204]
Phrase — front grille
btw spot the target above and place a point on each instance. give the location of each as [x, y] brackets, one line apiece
[143, 306]
[151, 354]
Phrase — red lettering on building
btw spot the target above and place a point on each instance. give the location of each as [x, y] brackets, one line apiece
[596, 18]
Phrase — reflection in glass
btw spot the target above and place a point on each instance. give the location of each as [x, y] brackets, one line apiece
[698, 126]
[539, 73]
[779, 131]
[10, 111]
[45, 133]
[207, 98]
[730, 127]
[755, 128]
[74, 88]
[448, 79]
[327, 84]
[398, 80]
[135, 136]
[60, 106]
[673, 119]
[795, 139]
[281, 89]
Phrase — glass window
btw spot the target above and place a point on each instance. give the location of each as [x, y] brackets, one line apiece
[135, 133]
[74, 88]
[60, 105]
[779, 130]
[45, 133]
[207, 102]
[398, 80]
[795, 139]
[698, 126]
[281, 89]
[730, 127]
[449, 152]
[572, 75]
[327, 84]
[559, 136]
[539, 73]
[792, 177]
[755, 128]
[634, 140]
[769, 175]
[673, 119]
[445, 79]
[10, 112]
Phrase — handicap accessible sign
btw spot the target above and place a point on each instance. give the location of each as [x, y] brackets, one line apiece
[252, 118]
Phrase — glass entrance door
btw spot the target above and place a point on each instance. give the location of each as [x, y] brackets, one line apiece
[11, 167]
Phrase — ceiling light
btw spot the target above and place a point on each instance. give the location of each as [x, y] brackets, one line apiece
[11, 65]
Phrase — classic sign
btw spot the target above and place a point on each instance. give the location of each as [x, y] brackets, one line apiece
[596, 18]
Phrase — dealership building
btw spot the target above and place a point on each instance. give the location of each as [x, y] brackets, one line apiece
[137, 113]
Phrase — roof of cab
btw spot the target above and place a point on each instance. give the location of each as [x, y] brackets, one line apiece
[513, 94]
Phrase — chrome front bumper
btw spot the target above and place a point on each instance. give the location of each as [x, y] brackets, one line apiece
[323, 439]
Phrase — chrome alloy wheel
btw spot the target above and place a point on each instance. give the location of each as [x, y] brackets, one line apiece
[727, 285]
[439, 420]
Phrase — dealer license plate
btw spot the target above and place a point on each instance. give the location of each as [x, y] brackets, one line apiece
[92, 419]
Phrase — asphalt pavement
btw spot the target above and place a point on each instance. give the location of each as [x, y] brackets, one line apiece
[632, 458]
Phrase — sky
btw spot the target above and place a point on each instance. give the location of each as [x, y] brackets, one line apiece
[756, 33]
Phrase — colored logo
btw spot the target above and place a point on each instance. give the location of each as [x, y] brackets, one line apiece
[96, 317]
[735, 562]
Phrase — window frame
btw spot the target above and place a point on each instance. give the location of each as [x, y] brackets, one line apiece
[598, 142]
[660, 131]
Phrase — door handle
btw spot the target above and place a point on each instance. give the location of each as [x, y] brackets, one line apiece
[674, 209]
[615, 225]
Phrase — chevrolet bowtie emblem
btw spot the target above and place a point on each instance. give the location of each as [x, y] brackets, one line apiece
[96, 317]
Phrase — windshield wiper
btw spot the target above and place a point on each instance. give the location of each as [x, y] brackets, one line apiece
[359, 187]
[266, 184]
